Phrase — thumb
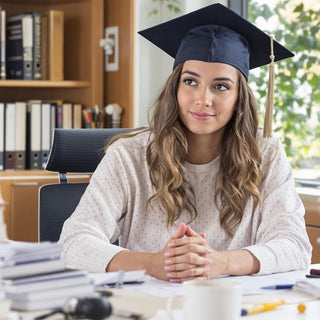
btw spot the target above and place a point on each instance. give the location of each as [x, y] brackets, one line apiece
[180, 232]
[192, 233]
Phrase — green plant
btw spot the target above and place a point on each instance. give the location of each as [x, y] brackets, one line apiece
[172, 5]
[297, 85]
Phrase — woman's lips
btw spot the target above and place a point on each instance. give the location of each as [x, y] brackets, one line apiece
[202, 116]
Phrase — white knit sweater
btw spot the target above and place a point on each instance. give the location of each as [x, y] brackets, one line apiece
[115, 206]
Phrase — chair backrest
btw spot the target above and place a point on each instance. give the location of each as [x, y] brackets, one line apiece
[72, 151]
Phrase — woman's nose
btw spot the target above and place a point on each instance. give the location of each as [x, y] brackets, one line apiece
[205, 98]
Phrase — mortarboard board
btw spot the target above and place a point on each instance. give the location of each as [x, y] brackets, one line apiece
[169, 35]
[217, 34]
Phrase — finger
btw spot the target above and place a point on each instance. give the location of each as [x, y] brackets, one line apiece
[189, 258]
[196, 249]
[180, 232]
[179, 242]
[195, 278]
[177, 280]
[190, 273]
[190, 232]
[178, 267]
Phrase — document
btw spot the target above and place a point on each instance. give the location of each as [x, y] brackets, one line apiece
[309, 286]
[118, 278]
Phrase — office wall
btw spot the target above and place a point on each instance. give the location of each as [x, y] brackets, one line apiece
[118, 85]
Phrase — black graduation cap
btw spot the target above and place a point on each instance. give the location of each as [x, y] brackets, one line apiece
[215, 34]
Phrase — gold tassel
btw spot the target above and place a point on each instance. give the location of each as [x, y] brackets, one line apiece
[267, 128]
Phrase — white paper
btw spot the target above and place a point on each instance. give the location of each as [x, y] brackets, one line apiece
[111, 278]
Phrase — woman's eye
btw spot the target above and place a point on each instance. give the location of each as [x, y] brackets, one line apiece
[221, 87]
[190, 82]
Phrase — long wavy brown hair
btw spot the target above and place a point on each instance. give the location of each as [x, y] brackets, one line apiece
[239, 176]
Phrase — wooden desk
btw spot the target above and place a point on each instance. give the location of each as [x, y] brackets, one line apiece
[20, 191]
[311, 200]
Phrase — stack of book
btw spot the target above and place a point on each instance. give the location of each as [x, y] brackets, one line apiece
[32, 45]
[4, 303]
[26, 130]
[34, 277]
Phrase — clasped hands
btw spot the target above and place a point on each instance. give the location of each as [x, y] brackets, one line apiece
[188, 256]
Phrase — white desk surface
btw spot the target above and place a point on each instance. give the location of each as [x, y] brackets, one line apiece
[150, 298]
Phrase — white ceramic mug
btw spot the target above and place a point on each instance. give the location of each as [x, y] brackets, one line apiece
[215, 299]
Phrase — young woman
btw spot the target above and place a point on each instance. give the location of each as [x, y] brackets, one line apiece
[200, 192]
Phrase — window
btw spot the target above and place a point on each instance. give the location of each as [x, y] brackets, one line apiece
[296, 24]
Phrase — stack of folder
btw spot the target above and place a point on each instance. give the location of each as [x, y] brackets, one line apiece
[34, 277]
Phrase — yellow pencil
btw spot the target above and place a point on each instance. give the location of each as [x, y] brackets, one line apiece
[263, 307]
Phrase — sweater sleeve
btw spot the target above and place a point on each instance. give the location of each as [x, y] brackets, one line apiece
[282, 243]
[87, 236]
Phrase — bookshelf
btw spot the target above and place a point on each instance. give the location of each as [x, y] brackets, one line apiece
[83, 57]
[83, 83]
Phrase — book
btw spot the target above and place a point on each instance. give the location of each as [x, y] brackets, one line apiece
[27, 45]
[34, 134]
[53, 124]
[53, 303]
[77, 116]
[44, 47]
[37, 46]
[32, 268]
[20, 252]
[20, 136]
[14, 55]
[59, 114]
[45, 294]
[56, 45]
[45, 132]
[10, 139]
[67, 115]
[2, 130]
[3, 71]
[17, 291]
[59, 275]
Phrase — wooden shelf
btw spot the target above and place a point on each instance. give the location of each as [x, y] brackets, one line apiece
[43, 84]
[83, 84]
[83, 56]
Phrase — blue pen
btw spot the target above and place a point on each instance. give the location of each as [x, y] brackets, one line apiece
[278, 287]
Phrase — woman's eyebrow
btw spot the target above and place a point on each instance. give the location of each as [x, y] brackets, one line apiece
[192, 73]
[223, 79]
[215, 79]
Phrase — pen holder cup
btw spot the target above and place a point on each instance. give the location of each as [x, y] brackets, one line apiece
[209, 300]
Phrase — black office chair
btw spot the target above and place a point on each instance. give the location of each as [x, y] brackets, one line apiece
[72, 151]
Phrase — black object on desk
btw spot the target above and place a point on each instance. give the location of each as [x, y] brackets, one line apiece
[314, 273]
[95, 308]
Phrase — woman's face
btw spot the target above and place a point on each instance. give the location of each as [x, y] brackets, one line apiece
[207, 94]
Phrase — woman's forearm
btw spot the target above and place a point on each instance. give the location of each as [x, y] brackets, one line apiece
[130, 261]
[241, 262]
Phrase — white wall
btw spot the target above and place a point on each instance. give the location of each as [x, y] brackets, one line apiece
[152, 65]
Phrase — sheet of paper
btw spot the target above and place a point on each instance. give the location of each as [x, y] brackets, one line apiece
[111, 278]
[251, 285]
